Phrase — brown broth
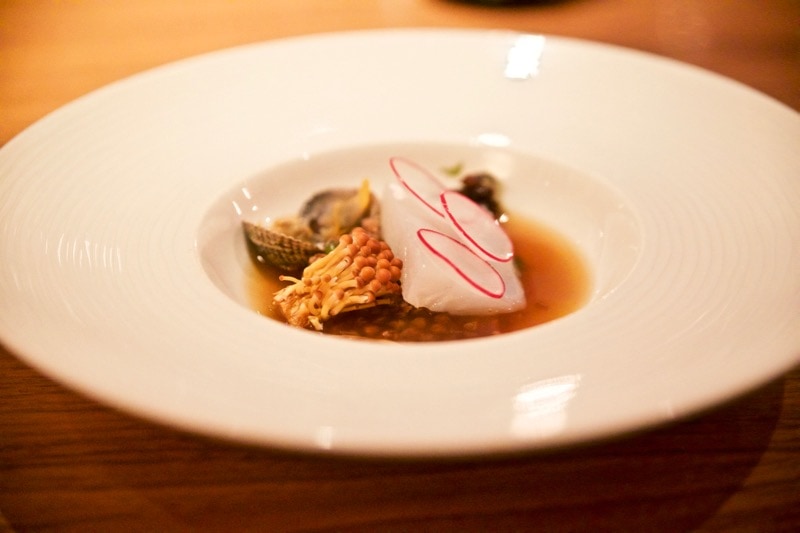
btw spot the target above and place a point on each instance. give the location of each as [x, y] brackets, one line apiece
[554, 275]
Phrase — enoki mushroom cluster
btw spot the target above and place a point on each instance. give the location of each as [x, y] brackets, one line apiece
[360, 272]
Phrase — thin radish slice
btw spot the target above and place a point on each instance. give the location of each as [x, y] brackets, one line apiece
[478, 226]
[419, 181]
[464, 262]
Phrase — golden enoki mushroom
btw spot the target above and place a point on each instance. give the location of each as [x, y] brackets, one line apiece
[360, 272]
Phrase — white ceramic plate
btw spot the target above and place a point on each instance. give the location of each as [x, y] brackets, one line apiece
[122, 272]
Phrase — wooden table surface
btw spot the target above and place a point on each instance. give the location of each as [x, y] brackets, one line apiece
[68, 463]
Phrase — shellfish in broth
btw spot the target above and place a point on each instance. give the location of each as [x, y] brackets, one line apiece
[289, 243]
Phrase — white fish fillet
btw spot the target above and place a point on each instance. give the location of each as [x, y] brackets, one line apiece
[432, 282]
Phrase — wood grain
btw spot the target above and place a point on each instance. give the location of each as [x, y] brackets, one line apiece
[68, 463]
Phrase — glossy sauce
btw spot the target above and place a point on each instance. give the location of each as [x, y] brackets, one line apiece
[554, 275]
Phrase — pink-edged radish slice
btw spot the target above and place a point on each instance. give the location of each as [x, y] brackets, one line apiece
[464, 262]
[419, 181]
[477, 226]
